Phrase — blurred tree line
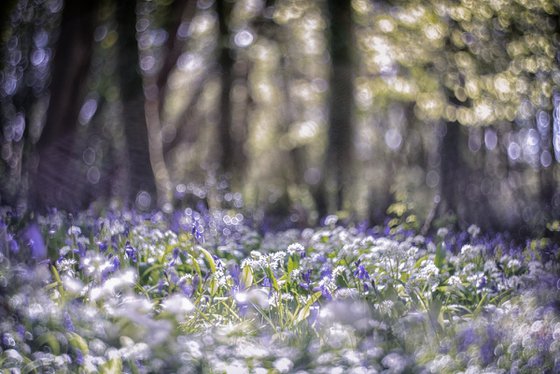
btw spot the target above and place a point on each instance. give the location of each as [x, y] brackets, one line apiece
[291, 108]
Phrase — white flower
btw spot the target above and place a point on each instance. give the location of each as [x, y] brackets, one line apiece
[178, 304]
[442, 232]
[283, 365]
[295, 248]
[74, 231]
[454, 281]
[514, 264]
[473, 230]
[470, 252]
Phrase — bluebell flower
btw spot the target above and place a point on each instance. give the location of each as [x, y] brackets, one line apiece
[235, 273]
[306, 276]
[79, 356]
[67, 321]
[116, 263]
[174, 256]
[387, 230]
[160, 285]
[81, 250]
[466, 338]
[362, 274]
[313, 314]
[8, 341]
[102, 246]
[186, 289]
[195, 281]
[324, 291]
[326, 271]
[131, 252]
[172, 276]
[197, 232]
[266, 282]
[482, 283]
[35, 241]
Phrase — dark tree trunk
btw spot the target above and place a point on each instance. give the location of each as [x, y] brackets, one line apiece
[226, 63]
[338, 158]
[451, 169]
[140, 176]
[53, 180]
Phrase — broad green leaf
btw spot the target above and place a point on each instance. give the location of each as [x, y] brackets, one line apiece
[292, 264]
[247, 276]
[305, 311]
[419, 261]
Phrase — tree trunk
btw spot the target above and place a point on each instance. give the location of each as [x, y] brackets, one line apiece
[451, 171]
[53, 179]
[140, 176]
[338, 159]
[226, 63]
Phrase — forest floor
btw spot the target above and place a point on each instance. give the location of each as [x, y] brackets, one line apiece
[205, 292]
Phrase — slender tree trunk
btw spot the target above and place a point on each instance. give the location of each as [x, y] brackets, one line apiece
[451, 170]
[226, 63]
[338, 159]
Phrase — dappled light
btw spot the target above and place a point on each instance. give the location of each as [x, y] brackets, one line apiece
[278, 186]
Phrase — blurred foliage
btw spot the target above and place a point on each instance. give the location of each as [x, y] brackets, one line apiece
[452, 108]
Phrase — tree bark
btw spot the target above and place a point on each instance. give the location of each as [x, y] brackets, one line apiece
[338, 158]
[52, 180]
[226, 63]
[140, 176]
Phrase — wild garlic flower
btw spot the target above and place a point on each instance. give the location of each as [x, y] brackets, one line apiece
[66, 266]
[473, 231]
[454, 281]
[295, 248]
[74, 231]
[471, 252]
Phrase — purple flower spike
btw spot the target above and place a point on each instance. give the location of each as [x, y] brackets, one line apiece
[68, 324]
[35, 241]
[198, 233]
[131, 252]
[361, 271]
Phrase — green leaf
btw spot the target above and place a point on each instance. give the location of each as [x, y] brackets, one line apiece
[292, 264]
[247, 276]
[51, 341]
[113, 366]
[78, 342]
[209, 259]
[440, 255]
[197, 269]
[148, 270]
[420, 261]
[213, 287]
[305, 311]
[480, 305]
